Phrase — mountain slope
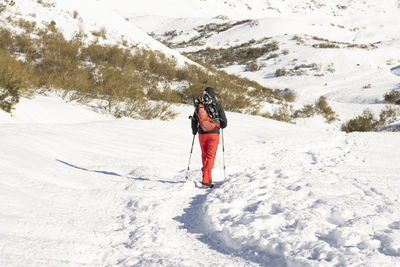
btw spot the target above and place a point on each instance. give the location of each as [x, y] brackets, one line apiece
[348, 59]
[88, 17]
[241, 9]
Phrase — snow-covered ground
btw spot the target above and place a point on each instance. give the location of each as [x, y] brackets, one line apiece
[80, 188]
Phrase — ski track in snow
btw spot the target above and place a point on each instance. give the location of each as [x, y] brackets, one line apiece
[112, 192]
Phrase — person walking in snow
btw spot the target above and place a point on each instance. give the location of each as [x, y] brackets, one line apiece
[208, 135]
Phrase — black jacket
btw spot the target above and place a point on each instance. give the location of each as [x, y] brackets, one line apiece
[221, 113]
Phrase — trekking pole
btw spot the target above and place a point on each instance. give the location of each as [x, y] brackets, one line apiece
[190, 157]
[223, 153]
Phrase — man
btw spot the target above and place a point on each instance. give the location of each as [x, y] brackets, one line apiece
[209, 140]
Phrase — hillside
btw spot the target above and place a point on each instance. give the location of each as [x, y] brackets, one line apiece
[346, 58]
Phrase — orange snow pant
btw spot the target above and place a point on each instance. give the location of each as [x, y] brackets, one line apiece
[209, 145]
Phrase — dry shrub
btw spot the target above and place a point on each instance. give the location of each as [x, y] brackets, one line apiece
[28, 26]
[6, 39]
[167, 95]
[106, 55]
[306, 112]
[3, 7]
[325, 45]
[280, 72]
[388, 115]
[363, 123]
[14, 77]
[101, 33]
[283, 113]
[114, 86]
[141, 109]
[393, 97]
[288, 96]
[253, 66]
[367, 122]
[263, 94]
[240, 54]
[234, 102]
[298, 39]
[322, 107]
[117, 75]
[75, 14]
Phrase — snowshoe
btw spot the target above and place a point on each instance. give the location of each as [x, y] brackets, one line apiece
[205, 185]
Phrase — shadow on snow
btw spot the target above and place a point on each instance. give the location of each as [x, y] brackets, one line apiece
[119, 175]
[193, 220]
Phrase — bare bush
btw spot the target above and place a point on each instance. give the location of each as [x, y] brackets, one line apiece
[363, 123]
[393, 97]
[121, 75]
[280, 72]
[282, 113]
[306, 112]
[322, 107]
[288, 95]
[14, 77]
[240, 54]
[388, 115]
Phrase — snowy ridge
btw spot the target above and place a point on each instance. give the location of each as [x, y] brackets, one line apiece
[90, 17]
[240, 9]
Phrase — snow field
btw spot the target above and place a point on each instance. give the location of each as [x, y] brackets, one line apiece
[92, 190]
[310, 200]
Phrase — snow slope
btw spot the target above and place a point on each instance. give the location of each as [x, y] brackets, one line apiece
[239, 9]
[73, 17]
[92, 190]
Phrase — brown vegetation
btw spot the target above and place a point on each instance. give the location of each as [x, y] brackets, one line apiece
[393, 97]
[129, 82]
[240, 54]
[320, 107]
[367, 122]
